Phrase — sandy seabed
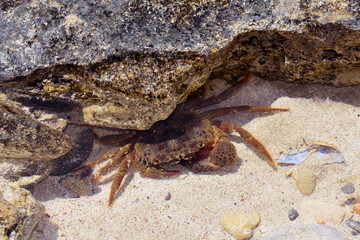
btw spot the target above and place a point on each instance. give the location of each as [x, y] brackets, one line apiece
[198, 201]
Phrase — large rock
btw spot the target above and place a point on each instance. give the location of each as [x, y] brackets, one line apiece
[128, 63]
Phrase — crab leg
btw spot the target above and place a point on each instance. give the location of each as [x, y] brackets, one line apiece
[113, 161]
[242, 108]
[119, 176]
[221, 96]
[98, 160]
[229, 127]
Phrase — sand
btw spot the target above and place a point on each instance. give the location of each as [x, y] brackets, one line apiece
[198, 201]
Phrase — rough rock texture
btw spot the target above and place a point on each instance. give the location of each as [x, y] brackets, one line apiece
[130, 62]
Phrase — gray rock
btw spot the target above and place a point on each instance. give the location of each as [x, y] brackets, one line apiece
[293, 214]
[348, 188]
[144, 57]
[304, 232]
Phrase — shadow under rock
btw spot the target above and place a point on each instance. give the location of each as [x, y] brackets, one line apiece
[45, 229]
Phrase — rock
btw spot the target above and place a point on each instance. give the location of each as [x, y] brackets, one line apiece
[304, 231]
[27, 147]
[355, 225]
[293, 214]
[313, 211]
[128, 63]
[80, 183]
[241, 225]
[305, 178]
[348, 188]
[9, 216]
[19, 211]
[168, 196]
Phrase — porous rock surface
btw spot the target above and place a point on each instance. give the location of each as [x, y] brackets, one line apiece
[127, 63]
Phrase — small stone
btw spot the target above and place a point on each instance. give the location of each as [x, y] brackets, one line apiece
[304, 231]
[348, 188]
[83, 186]
[355, 225]
[356, 207]
[293, 214]
[313, 212]
[305, 179]
[241, 225]
[168, 196]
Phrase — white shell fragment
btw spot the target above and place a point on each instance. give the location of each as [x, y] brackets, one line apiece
[241, 225]
[325, 152]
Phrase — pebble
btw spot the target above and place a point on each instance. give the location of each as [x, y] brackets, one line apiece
[348, 188]
[168, 196]
[83, 186]
[356, 207]
[305, 179]
[355, 225]
[314, 211]
[241, 225]
[304, 231]
[293, 214]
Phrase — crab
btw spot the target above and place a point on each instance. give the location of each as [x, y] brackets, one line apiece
[194, 139]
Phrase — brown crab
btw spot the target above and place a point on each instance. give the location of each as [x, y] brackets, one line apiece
[183, 137]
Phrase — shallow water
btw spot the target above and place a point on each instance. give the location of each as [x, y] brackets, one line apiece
[198, 201]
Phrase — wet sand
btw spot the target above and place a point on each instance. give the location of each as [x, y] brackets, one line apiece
[198, 201]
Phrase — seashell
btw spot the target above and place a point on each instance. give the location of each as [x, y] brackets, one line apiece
[241, 225]
[326, 154]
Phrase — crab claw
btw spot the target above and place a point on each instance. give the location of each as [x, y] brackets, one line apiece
[229, 127]
[212, 157]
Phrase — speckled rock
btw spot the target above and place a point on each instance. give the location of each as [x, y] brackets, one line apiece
[27, 146]
[304, 231]
[128, 63]
[19, 211]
